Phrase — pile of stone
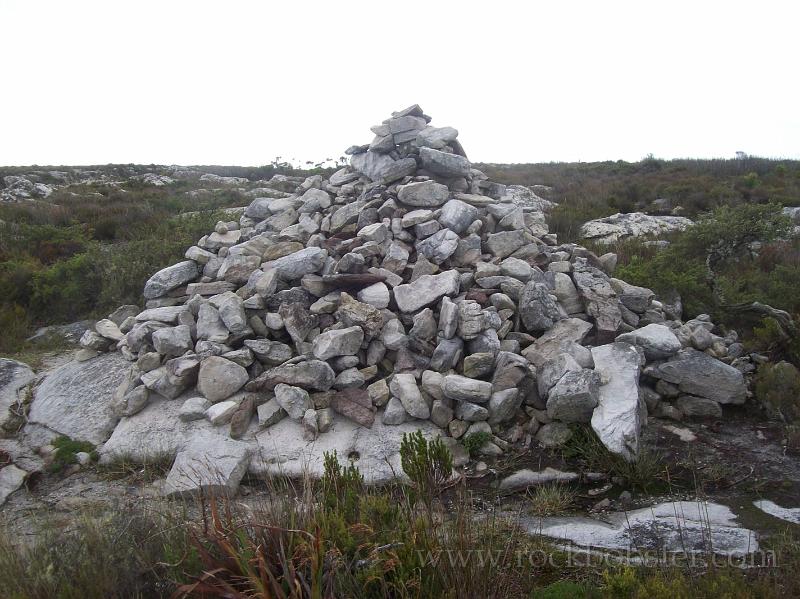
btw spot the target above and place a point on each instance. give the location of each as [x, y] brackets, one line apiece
[406, 288]
[18, 188]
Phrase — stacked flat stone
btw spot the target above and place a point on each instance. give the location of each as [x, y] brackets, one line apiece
[407, 286]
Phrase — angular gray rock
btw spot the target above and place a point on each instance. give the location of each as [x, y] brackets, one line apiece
[439, 247]
[376, 295]
[457, 216]
[602, 304]
[269, 413]
[214, 468]
[173, 341]
[622, 226]
[394, 414]
[423, 194]
[426, 290]
[698, 407]
[14, 380]
[503, 405]
[697, 373]
[219, 378]
[194, 408]
[462, 388]
[311, 374]
[338, 342]
[11, 479]
[171, 277]
[574, 397]
[371, 164]
[302, 262]
[294, 400]
[444, 163]
[269, 353]
[538, 310]
[404, 387]
[554, 341]
[552, 371]
[657, 341]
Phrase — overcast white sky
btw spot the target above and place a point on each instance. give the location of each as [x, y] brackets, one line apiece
[235, 82]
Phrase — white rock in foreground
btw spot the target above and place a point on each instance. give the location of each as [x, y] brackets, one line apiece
[617, 419]
[789, 514]
[682, 526]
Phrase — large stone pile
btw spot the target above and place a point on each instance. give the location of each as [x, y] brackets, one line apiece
[406, 288]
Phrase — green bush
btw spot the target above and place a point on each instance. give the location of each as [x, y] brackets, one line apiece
[667, 271]
[341, 487]
[777, 387]
[67, 290]
[15, 325]
[429, 464]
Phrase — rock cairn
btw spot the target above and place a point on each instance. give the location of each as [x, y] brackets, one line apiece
[408, 286]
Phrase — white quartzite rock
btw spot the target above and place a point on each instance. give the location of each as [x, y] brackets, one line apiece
[617, 419]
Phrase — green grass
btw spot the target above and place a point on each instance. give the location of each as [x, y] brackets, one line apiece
[136, 470]
[551, 499]
[646, 473]
[338, 538]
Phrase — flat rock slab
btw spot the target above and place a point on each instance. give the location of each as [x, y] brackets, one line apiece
[673, 527]
[158, 433]
[208, 466]
[76, 398]
[789, 514]
[283, 451]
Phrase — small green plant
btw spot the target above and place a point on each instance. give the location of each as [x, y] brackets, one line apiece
[341, 487]
[429, 464]
[474, 441]
[551, 499]
[66, 450]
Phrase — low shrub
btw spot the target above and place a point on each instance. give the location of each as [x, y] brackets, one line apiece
[474, 441]
[125, 553]
[777, 387]
[429, 464]
[66, 450]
